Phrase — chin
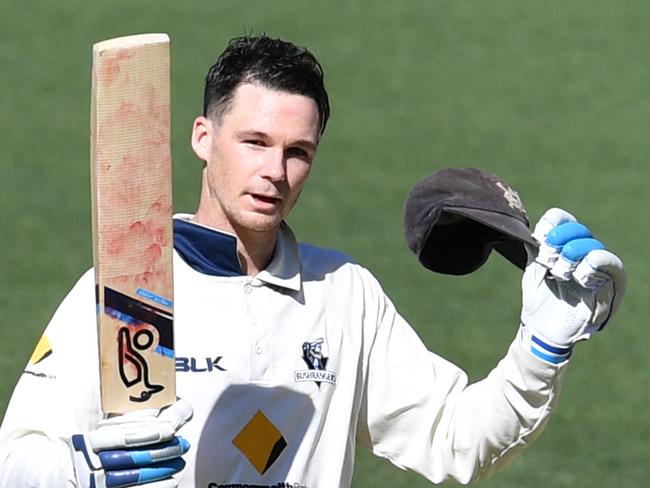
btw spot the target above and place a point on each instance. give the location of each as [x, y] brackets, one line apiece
[262, 224]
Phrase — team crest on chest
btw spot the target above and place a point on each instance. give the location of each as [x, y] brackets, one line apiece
[313, 355]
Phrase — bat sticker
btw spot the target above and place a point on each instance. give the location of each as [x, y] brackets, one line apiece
[127, 345]
[154, 297]
[136, 337]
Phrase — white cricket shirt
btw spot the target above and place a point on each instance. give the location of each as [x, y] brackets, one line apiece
[286, 372]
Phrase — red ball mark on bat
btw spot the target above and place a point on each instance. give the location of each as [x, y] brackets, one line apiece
[127, 110]
[141, 247]
[109, 71]
[162, 206]
[145, 278]
[158, 109]
[152, 254]
[117, 244]
[120, 239]
[136, 226]
[110, 68]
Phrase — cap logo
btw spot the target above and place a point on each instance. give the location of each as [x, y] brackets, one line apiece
[512, 197]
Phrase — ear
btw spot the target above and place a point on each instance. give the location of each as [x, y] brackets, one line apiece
[202, 137]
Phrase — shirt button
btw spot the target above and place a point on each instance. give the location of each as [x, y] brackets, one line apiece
[248, 288]
[258, 349]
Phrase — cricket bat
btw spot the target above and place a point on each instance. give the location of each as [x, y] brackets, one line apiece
[131, 176]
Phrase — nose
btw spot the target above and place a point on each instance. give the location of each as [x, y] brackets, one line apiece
[274, 167]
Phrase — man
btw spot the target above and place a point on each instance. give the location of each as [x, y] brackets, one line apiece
[288, 354]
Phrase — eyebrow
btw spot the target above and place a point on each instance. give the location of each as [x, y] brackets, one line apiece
[306, 144]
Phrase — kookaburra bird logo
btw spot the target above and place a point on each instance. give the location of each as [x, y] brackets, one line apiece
[512, 197]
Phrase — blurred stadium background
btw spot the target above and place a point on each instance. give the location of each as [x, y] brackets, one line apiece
[553, 96]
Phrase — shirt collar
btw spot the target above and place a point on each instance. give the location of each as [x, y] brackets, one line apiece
[214, 252]
[284, 268]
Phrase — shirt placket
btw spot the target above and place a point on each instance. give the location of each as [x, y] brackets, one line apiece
[259, 355]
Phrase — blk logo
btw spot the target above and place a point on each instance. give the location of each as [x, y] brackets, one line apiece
[199, 365]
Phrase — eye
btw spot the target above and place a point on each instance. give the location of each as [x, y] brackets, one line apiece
[255, 142]
[298, 152]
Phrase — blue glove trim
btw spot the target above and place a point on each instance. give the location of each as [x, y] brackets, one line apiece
[547, 352]
[79, 445]
[549, 348]
[548, 358]
[121, 458]
[577, 249]
[558, 236]
[139, 476]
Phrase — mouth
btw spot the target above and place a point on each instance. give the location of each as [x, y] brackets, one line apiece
[265, 201]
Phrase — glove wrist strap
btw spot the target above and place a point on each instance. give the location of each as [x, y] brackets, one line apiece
[544, 349]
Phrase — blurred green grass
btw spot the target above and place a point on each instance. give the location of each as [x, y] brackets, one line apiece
[552, 96]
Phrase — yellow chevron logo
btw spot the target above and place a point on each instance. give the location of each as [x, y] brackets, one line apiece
[260, 441]
[42, 350]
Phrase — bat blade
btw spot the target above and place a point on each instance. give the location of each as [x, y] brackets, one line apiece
[131, 186]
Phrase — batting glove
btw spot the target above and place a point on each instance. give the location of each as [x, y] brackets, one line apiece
[133, 449]
[571, 289]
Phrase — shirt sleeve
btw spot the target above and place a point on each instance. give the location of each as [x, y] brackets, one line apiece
[56, 396]
[419, 412]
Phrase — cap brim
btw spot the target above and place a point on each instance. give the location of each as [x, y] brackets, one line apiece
[516, 233]
[457, 248]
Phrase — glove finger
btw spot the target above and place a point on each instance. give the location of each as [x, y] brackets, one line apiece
[566, 232]
[147, 474]
[130, 435]
[572, 253]
[121, 459]
[547, 254]
[603, 271]
[177, 414]
[139, 430]
[599, 266]
[135, 417]
[551, 218]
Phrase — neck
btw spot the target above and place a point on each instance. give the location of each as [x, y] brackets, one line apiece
[255, 248]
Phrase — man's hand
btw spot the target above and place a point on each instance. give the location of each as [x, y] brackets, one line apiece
[133, 449]
[571, 289]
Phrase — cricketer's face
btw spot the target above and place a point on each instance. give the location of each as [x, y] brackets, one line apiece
[257, 156]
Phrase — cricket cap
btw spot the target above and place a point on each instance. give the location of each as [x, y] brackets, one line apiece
[455, 217]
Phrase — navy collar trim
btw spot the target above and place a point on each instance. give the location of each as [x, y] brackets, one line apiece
[206, 250]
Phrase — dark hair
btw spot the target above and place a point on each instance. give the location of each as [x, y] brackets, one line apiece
[272, 63]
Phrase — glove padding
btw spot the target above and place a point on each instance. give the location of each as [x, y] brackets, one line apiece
[571, 289]
[133, 449]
